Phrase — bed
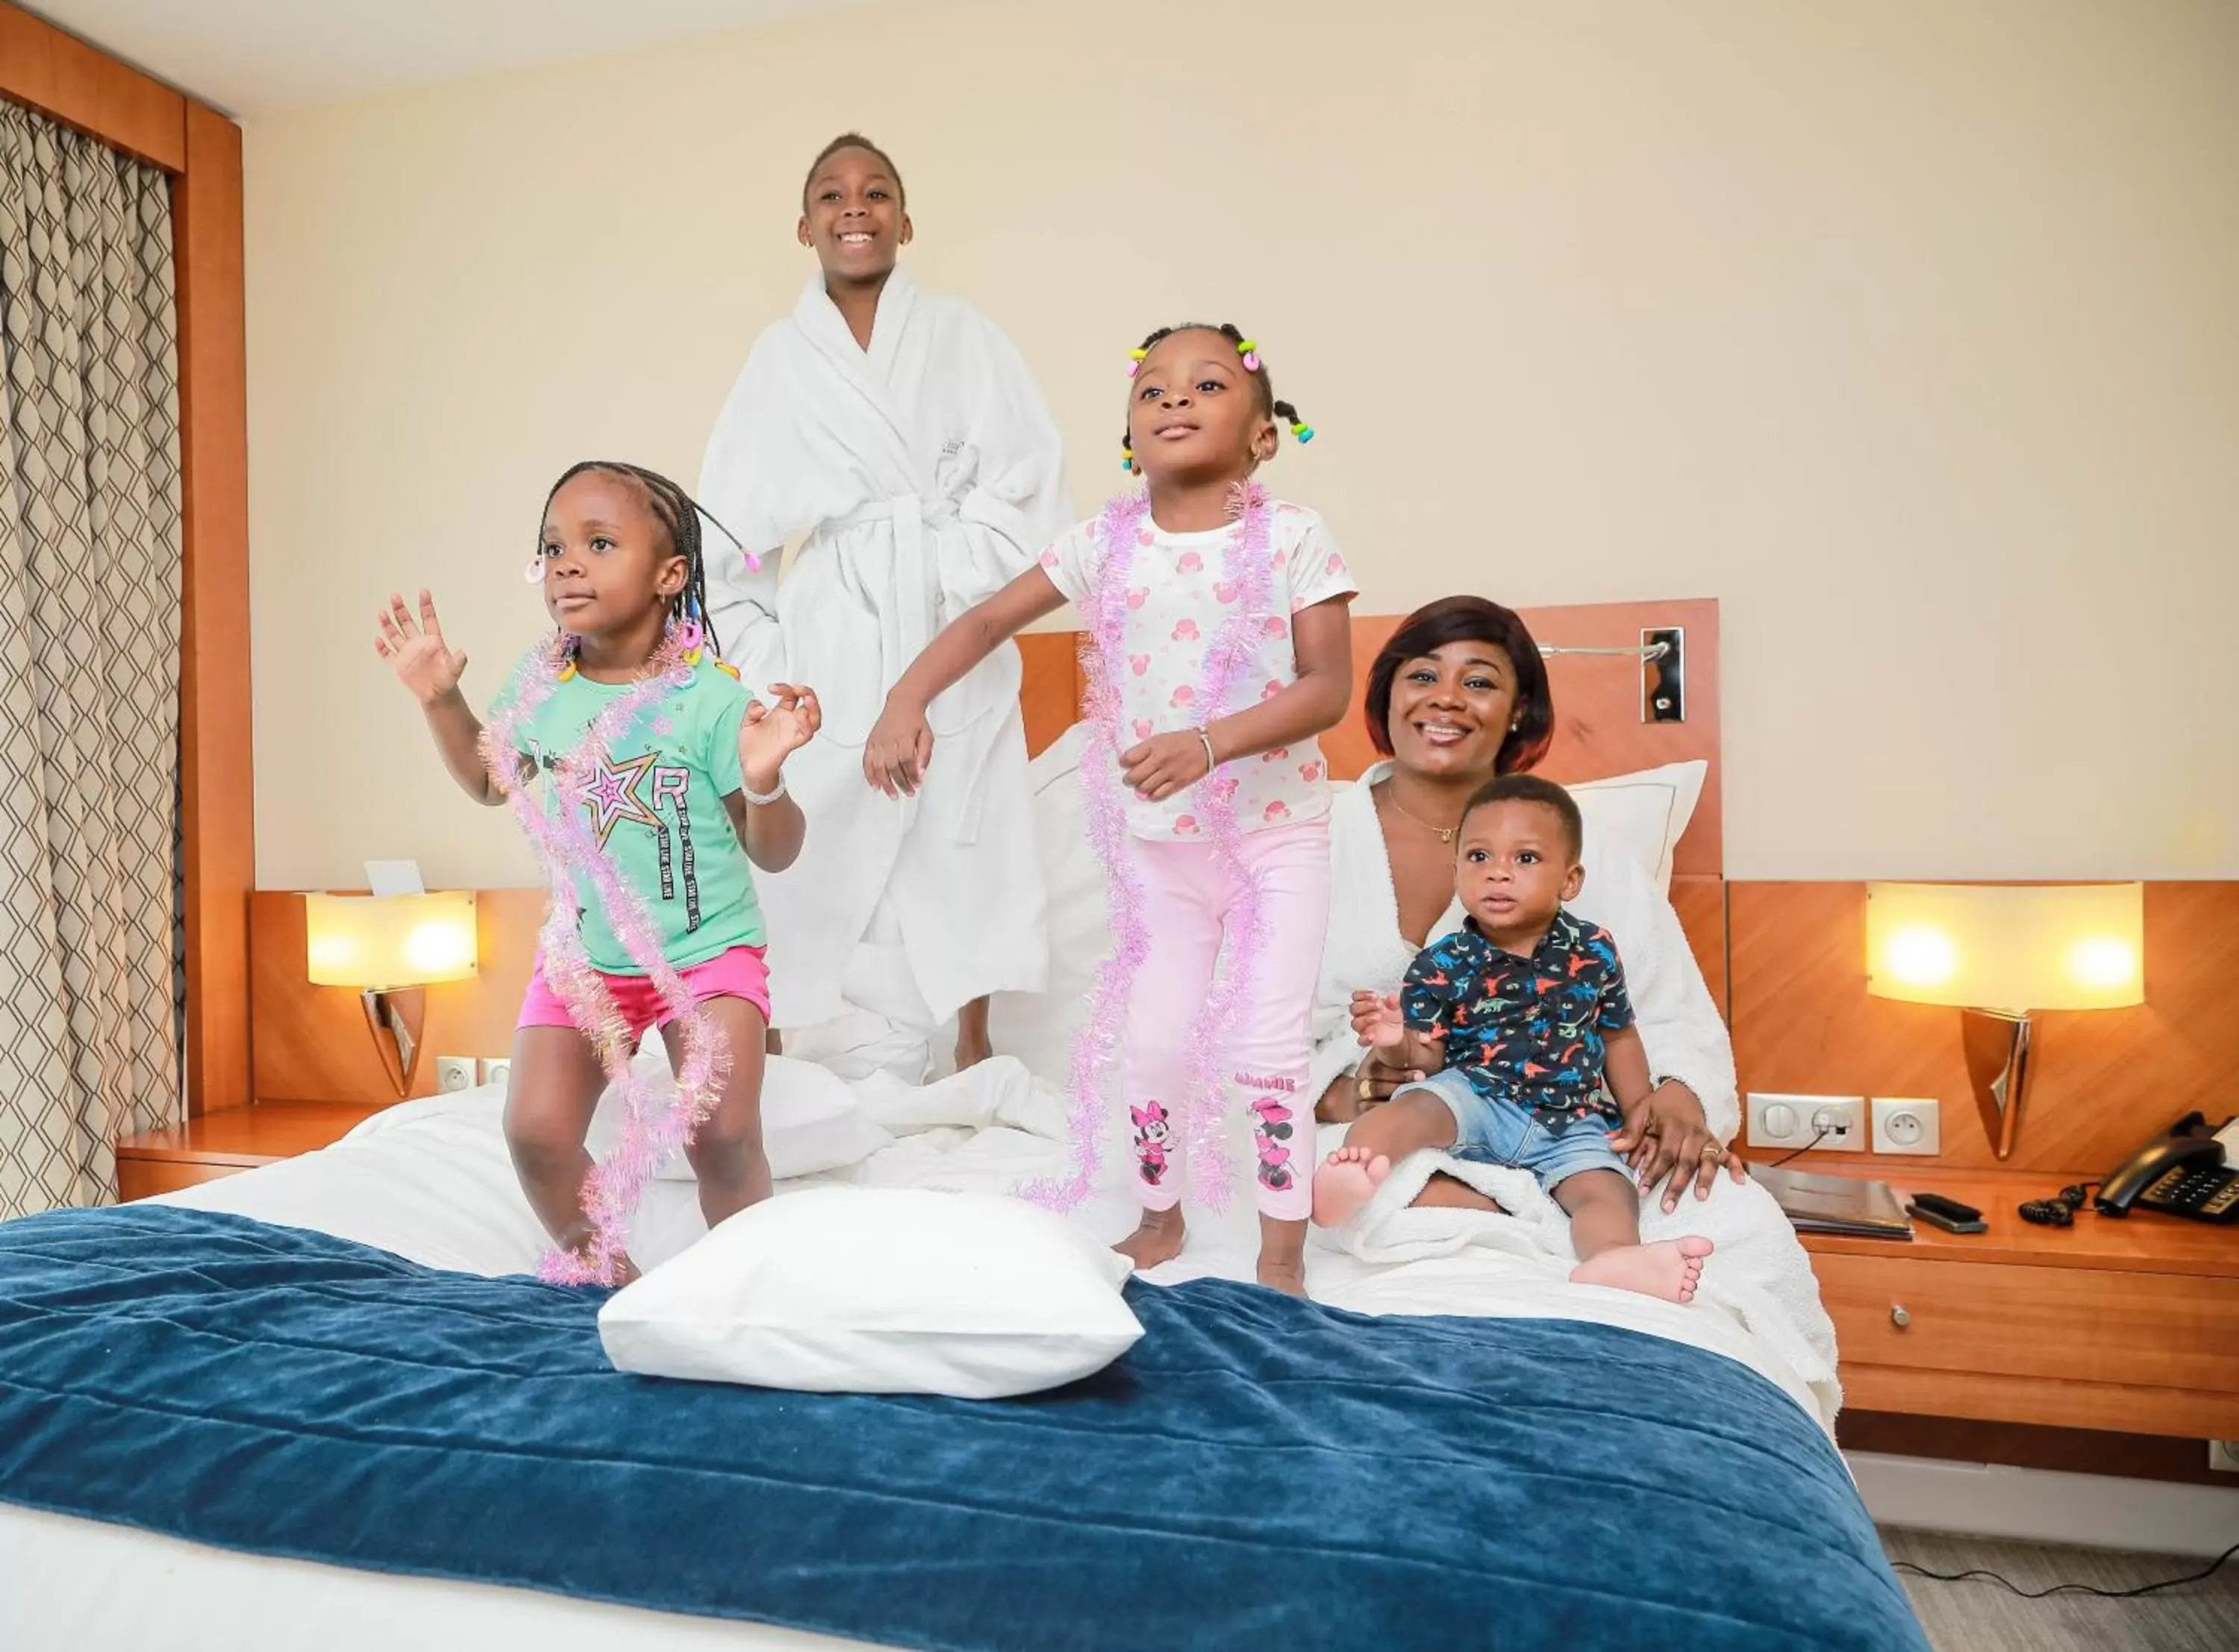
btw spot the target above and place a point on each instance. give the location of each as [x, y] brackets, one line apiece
[244, 1416]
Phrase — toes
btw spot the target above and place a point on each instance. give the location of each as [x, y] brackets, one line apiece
[1378, 1168]
[1696, 1245]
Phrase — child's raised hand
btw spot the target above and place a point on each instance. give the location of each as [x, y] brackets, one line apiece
[769, 734]
[898, 751]
[422, 661]
[1377, 1021]
[1164, 764]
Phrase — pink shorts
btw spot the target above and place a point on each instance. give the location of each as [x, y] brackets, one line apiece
[741, 972]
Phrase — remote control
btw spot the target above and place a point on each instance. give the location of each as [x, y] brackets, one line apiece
[1935, 1217]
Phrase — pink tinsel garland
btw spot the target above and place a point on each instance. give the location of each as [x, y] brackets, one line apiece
[566, 845]
[1095, 1049]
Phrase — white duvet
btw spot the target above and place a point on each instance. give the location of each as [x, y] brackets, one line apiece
[431, 1180]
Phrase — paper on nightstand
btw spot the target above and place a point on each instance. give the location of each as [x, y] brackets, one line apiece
[1836, 1204]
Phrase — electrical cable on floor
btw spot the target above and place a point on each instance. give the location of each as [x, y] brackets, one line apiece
[2212, 1568]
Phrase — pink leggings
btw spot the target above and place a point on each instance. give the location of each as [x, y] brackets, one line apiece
[1187, 905]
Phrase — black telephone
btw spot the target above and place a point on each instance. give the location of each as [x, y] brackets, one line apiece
[2183, 1173]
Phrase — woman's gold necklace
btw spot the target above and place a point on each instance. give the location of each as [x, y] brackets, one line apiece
[1445, 835]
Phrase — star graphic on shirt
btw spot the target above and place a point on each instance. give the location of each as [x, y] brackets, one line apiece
[612, 796]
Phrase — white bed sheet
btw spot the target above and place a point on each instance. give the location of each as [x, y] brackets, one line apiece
[431, 1180]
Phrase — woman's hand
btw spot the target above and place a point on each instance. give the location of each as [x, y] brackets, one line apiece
[1669, 1137]
[769, 734]
[1164, 764]
[422, 661]
[1369, 1084]
[899, 749]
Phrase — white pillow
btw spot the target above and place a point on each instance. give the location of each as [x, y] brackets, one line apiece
[880, 1290]
[811, 1121]
[1643, 813]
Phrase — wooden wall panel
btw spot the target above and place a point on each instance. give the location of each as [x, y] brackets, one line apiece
[312, 1043]
[1049, 698]
[216, 729]
[2100, 1081]
[60, 75]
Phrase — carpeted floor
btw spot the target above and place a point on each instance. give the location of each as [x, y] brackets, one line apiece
[1979, 1616]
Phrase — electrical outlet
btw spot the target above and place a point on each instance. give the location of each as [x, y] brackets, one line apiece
[453, 1073]
[2224, 1455]
[1908, 1124]
[497, 1071]
[1778, 1120]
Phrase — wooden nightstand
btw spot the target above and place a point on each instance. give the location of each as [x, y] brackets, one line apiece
[2125, 1324]
[227, 1143]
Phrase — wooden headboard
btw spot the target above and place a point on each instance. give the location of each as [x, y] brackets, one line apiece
[1598, 731]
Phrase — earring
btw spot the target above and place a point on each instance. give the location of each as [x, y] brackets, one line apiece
[534, 572]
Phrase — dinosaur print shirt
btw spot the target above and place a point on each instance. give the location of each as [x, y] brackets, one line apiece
[1528, 1030]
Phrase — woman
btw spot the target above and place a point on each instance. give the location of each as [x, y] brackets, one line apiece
[903, 435]
[1458, 695]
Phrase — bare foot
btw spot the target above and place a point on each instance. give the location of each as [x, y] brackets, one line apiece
[577, 1265]
[1670, 1269]
[1347, 1180]
[1157, 1237]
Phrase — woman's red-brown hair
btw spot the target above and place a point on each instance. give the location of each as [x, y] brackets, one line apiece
[1469, 619]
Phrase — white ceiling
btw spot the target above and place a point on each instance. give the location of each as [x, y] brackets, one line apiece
[253, 57]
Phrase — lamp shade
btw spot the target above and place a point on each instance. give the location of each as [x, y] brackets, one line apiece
[388, 941]
[2073, 946]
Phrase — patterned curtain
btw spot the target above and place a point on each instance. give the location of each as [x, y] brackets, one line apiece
[90, 553]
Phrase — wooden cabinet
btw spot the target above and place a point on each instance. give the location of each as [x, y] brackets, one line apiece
[229, 1142]
[2123, 1324]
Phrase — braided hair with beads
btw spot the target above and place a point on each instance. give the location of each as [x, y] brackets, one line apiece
[679, 516]
[1255, 368]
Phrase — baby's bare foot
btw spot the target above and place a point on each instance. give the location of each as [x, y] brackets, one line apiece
[1670, 1269]
[1347, 1180]
[1157, 1238]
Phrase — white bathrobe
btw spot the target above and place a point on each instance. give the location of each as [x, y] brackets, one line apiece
[925, 473]
[1679, 1024]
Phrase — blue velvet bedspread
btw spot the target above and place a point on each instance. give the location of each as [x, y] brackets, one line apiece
[1256, 1472]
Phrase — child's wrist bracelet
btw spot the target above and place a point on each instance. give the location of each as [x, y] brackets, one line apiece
[1211, 761]
[761, 800]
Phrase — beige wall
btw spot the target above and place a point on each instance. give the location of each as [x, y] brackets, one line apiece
[1909, 331]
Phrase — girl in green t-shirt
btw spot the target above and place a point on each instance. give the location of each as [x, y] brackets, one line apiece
[649, 778]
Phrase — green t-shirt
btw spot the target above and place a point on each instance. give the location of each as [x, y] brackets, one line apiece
[658, 809]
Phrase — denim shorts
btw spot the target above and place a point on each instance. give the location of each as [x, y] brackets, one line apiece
[1509, 1133]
